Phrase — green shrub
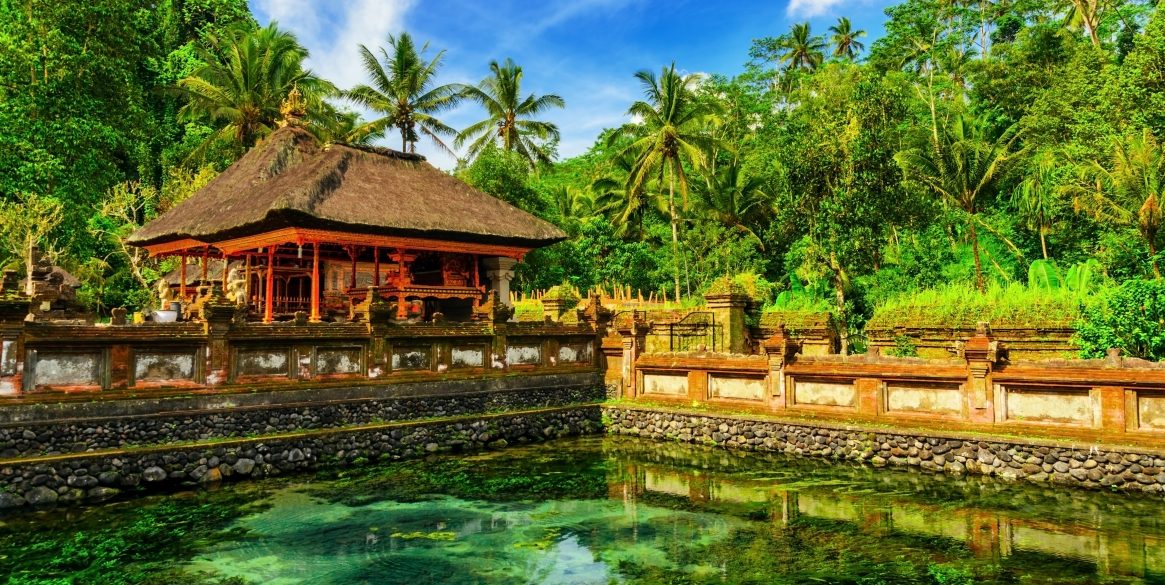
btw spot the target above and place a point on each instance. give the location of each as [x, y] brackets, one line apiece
[961, 306]
[1131, 317]
[904, 346]
[757, 287]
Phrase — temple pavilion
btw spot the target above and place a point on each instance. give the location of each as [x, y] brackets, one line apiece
[302, 226]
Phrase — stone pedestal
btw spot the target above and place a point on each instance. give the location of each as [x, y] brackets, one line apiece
[634, 338]
[727, 307]
[500, 271]
[557, 301]
[218, 312]
[981, 353]
[780, 349]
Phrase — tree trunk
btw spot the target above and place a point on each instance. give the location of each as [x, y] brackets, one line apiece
[1153, 258]
[979, 284]
[842, 321]
[29, 289]
[675, 232]
[1044, 244]
[404, 139]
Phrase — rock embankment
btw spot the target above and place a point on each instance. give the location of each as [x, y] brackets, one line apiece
[1098, 467]
[95, 476]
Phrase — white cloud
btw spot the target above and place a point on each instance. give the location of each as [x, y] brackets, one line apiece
[332, 31]
[811, 8]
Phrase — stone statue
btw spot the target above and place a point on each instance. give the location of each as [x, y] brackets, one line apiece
[165, 293]
[236, 286]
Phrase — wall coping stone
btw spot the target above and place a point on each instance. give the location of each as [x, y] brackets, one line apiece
[143, 404]
[242, 441]
[898, 429]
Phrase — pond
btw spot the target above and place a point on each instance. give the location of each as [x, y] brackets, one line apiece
[599, 510]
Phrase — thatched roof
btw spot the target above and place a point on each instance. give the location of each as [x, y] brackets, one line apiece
[290, 180]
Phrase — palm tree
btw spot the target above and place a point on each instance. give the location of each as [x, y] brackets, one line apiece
[1083, 14]
[509, 115]
[1129, 189]
[845, 40]
[960, 164]
[669, 134]
[801, 50]
[246, 76]
[403, 92]
[570, 202]
[735, 199]
[342, 126]
[1038, 199]
[613, 200]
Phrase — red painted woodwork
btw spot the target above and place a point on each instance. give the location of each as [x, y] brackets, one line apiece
[315, 282]
[182, 277]
[269, 308]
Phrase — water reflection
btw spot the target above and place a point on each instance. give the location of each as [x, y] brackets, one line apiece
[677, 513]
[611, 510]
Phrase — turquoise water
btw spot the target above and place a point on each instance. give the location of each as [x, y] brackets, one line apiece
[600, 510]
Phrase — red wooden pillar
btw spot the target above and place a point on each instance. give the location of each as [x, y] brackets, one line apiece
[247, 278]
[375, 266]
[315, 282]
[352, 253]
[268, 311]
[476, 280]
[182, 279]
[402, 280]
[205, 264]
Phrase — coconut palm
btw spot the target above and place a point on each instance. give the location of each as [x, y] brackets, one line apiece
[1038, 198]
[670, 133]
[1128, 188]
[246, 76]
[509, 115]
[570, 202]
[845, 39]
[1083, 14]
[735, 199]
[960, 163]
[404, 93]
[614, 199]
[800, 49]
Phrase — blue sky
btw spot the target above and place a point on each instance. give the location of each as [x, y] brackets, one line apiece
[584, 50]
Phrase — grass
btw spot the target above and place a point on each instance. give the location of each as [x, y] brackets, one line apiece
[962, 306]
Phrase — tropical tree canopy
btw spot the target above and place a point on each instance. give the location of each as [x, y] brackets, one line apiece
[510, 117]
[245, 77]
[404, 94]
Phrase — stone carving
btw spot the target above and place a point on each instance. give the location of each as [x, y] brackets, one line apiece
[165, 293]
[236, 286]
[493, 309]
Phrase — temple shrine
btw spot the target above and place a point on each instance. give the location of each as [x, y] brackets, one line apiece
[296, 225]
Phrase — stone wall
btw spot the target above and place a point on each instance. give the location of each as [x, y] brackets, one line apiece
[70, 478]
[1078, 465]
[51, 429]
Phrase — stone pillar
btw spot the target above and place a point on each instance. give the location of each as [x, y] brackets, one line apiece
[727, 301]
[634, 340]
[378, 314]
[780, 349]
[218, 312]
[557, 301]
[15, 308]
[610, 344]
[500, 271]
[981, 353]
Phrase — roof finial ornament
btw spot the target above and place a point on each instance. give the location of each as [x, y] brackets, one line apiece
[294, 108]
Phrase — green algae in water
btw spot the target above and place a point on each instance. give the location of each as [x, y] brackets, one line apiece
[600, 510]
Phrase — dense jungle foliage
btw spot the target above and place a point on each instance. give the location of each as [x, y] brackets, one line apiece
[992, 148]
